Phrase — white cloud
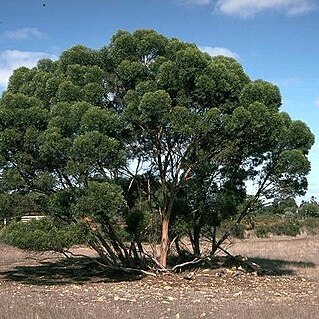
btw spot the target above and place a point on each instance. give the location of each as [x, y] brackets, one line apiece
[196, 2]
[214, 51]
[249, 8]
[22, 34]
[317, 102]
[12, 59]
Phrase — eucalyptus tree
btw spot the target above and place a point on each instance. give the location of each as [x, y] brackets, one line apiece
[59, 143]
[179, 131]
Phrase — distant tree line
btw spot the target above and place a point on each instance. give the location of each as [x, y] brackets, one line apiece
[307, 208]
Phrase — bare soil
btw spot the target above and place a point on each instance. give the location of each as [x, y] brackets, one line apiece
[36, 286]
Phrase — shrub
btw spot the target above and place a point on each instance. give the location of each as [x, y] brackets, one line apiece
[311, 225]
[238, 231]
[287, 228]
[263, 231]
[266, 219]
[279, 229]
[41, 235]
[309, 210]
[289, 216]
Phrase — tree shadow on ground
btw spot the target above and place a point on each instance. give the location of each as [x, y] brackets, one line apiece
[66, 271]
[263, 266]
[80, 270]
[279, 267]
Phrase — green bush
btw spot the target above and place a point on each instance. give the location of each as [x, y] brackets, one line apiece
[311, 225]
[309, 210]
[279, 229]
[238, 231]
[41, 235]
[286, 228]
[266, 219]
[263, 231]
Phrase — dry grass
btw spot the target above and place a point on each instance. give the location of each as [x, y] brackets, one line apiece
[298, 256]
[36, 286]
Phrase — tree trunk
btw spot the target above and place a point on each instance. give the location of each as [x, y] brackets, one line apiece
[196, 245]
[164, 241]
[214, 238]
[197, 230]
[178, 248]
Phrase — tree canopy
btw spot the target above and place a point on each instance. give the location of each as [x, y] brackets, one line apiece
[150, 135]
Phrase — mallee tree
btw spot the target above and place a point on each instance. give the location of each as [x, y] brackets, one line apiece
[148, 134]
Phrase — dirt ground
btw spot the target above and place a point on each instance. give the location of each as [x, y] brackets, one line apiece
[36, 286]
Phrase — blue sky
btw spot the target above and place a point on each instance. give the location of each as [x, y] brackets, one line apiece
[276, 40]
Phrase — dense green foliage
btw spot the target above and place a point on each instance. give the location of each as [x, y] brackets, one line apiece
[278, 229]
[309, 208]
[44, 235]
[150, 134]
[285, 217]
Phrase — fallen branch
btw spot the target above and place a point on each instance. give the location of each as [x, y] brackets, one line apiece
[194, 261]
[66, 251]
[172, 242]
[131, 270]
[226, 252]
[118, 268]
[244, 261]
[154, 260]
